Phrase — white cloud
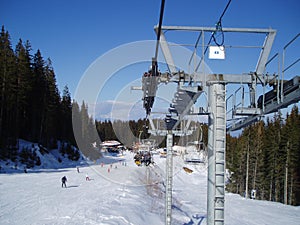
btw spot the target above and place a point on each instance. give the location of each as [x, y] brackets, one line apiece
[119, 110]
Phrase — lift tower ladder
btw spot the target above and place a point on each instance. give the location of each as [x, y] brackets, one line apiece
[219, 142]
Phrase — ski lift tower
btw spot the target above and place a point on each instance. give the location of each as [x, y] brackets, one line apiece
[190, 87]
[167, 128]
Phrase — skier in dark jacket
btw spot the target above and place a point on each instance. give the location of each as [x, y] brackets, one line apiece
[63, 181]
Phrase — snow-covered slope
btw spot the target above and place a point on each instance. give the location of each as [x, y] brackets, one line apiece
[119, 192]
[49, 159]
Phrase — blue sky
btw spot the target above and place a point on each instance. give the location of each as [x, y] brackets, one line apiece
[75, 33]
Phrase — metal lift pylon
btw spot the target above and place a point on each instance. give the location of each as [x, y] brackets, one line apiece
[216, 111]
[169, 177]
[169, 133]
[216, 152]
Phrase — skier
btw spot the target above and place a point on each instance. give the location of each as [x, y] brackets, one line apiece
[63, 181]
[87, 178]
[138, 159]
[77, 169]
[147, 158]
[253, 194]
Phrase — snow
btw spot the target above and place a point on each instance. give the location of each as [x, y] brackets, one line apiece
[48, 160]
[120, 192]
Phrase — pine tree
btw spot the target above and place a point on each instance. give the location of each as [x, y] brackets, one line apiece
[66, 129]
[24, 84]
[84, 122]
[76, 122]
[258, 167]
[270, 159]
[7, 91]
[292, 149]
[232, 162]
[52, 110]
[84, 130]
[38, 97]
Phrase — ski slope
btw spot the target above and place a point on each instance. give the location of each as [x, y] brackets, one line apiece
[119, 192]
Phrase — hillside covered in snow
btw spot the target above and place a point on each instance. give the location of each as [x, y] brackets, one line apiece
[32, 156]
[119, 192]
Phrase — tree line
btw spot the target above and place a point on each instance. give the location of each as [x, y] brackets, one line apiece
[31, 107]
[129, 132]
[265, 158]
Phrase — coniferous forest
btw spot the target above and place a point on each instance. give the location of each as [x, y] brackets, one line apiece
[265, 157]
[31, 107]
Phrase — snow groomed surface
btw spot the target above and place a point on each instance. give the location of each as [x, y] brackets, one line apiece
[120, 192]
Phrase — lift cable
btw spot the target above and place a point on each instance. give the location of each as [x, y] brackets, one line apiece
[212, 37]
[162, 6]
[219, 26]
[151, 80]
